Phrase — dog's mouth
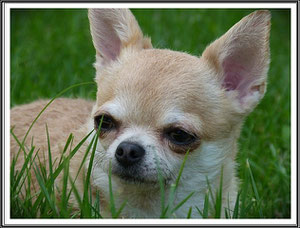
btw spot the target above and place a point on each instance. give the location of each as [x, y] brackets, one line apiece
[135, 179]
[134, 176]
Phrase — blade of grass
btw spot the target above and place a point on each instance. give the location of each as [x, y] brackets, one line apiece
[210, 191]
[111, 196]
[90, 202]
[218, 205]
[247, 209]
[97, 214]
[206, 205]
[120, 209]
[228, 209]
[28, 158]
[164, 213]
[181, 168]
[236, 206]
[44, 189]
[189, 213]
[200, 212]
[51, 185]
[76, 193]
[161, 186]
[70, 138]
[61, 167]
[97, 205]
[64, 200]
[114, 213]
[89, 171]
[82, 163]
[73, 152]
[254, 188]
[75, 215]
[182, 202]
[227, 216]
[245, 188]
[20, 145]
[14, 179]
[174, 186]
[85, 199]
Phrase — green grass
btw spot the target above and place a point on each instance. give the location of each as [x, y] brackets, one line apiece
[52, 50]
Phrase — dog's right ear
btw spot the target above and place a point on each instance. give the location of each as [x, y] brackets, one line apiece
[112, 30]
[241, 58]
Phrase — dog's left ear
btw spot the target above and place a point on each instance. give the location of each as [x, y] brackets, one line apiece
[241, 59]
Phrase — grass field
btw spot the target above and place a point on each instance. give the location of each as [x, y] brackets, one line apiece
[52, 49]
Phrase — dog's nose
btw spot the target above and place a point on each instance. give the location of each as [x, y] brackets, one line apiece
[128, 153]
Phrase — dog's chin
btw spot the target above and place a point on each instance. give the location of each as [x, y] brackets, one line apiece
[133, 176]
[128, 179]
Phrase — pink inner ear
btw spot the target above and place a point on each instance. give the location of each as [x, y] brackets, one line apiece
[111, 49]
[236, 77]
[107, 42]
[110, 45]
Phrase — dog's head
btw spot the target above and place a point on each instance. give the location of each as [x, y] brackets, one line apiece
[155, 104]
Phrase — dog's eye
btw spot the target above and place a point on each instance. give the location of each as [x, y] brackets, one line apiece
[107, 122]
[180, 137]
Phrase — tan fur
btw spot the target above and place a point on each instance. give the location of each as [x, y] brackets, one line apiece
[62, 117]
[156, 80]
[147, 86]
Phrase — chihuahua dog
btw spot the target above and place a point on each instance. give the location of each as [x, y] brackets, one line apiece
[152, 107]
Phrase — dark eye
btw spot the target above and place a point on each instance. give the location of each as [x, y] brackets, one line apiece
[107, 122]
[180, 137]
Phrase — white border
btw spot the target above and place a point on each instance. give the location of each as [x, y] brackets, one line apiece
[294, 122]
[6, 89]
[151, 5]
[6, 61]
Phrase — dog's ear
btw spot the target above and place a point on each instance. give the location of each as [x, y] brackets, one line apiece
[241, 59]
[112, 30]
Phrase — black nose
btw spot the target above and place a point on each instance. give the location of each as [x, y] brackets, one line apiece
[129, 153]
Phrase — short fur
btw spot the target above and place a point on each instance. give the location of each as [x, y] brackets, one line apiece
[147, 90]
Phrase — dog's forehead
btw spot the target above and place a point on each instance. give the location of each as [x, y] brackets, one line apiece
[153, 67]
[161, 75]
